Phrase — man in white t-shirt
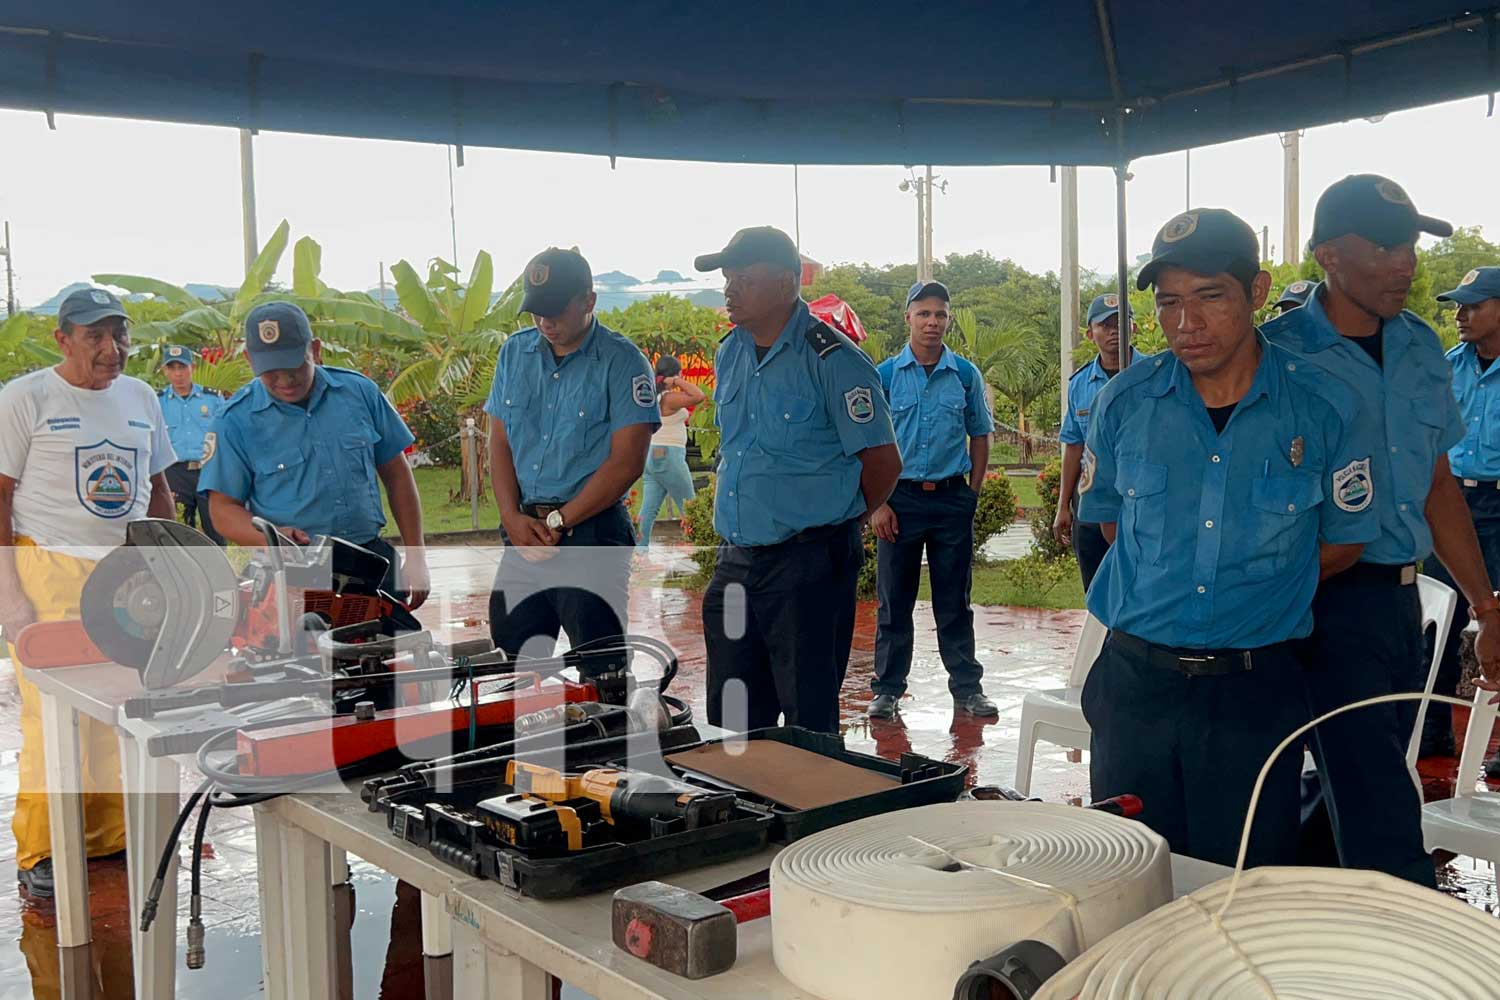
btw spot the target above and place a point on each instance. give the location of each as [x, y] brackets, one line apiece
[83, 451]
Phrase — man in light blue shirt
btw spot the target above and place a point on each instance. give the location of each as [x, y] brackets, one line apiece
[574, 404]
[1214, 470]
[1086, 539]
[942, 424]
[190, 411]
[1368, 637]
[806, 451]
[308, 448]
[1475, 462]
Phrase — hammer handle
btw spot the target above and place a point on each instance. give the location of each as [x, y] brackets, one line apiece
[750, 906]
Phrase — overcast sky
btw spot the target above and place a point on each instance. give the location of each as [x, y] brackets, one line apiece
[162, 200]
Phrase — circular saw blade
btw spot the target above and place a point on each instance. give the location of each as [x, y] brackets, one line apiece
[123, 607]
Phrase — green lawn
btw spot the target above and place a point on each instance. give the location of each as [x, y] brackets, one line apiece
[992, 588]
[1025, 490]
[434, 485]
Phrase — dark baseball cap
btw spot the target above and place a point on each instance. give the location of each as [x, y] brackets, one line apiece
[1296, 293]
[175, 354]
[277, 335]
[1206, 241]
[1374, 207]
[758, 245]
[89, 305]
[1479, 284]
[553, 279]
[1103, 307]
[926, 290]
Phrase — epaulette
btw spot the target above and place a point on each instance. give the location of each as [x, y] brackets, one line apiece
[242, 393]
[823, 340]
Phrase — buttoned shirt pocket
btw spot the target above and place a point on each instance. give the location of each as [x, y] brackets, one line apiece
[278, 489]
[785, 421]
[951, 403]
[356, 464]
[1411, 466]
[1143, 513]
[1283, 509]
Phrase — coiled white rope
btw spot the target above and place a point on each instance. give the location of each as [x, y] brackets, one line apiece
[1296, 934]
[899, 905]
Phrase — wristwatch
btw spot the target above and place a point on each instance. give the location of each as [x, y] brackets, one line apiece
[1491, 603]
[555, 520]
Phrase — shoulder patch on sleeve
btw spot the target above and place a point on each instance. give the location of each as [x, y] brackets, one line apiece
[210, 446]
[823, 340]
[643, 390]
[1353, 489]
[858, 403]
[1086, 472]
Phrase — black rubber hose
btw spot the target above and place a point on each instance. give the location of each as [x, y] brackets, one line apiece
[169, 850]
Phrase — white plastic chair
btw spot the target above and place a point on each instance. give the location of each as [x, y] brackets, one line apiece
[1055, 716]
[1438, 604]
[1468, 823]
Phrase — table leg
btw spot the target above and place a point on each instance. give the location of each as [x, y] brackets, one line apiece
[484, 969]
[308, 889]
[343, 922]
[268, 874]
[153, 799]
[70, 865]
[437, 948]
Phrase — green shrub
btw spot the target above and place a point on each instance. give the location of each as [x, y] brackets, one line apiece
[997, 509]
[1049, 481]
[1034, 576]
[434, 422]
[698, 527]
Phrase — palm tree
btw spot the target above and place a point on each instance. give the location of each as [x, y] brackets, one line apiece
[1019, 361]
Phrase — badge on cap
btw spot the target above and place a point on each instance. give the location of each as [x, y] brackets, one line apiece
[1352, 487]
[539, 274]
[859, 405]
[1298, 287]
[100, 297]
[269, 330]
[1112, 301]
[210, 445]
[1180, 228]
[642, 390]
[1391, 192]
[1469, 278]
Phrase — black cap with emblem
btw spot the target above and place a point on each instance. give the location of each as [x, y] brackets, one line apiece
[1206, 241]
[553, 279]
[1374, 207]
[759, 245]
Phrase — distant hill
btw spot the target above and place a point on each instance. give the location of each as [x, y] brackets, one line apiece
[712, 298]
[615, 279]
[670, 278]
[208, 293]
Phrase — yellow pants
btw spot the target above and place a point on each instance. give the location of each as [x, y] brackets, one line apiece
[53, 582]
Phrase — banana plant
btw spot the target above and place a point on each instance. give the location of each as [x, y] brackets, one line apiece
[1019, 362]
[26, 344]
[462, 330]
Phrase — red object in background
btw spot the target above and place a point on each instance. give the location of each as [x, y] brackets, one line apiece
[810, 270]
[840, 315]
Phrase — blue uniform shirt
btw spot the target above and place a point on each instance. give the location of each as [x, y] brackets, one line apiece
[310, 467]
[791, 428]
[559, 414]
[189, 418]
[1217, 544]
[1409, 401]
[1083, 388]
[935, 415]
[1477, 456]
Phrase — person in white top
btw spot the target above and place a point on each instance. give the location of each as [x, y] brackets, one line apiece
[83, 451]
[666, 472]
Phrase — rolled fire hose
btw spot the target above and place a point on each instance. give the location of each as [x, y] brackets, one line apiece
[899, 905]
[1296, 934]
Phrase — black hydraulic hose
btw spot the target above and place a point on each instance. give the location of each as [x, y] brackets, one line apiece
[169, 850]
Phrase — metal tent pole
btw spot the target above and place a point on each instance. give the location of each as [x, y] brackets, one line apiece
[1123, 264]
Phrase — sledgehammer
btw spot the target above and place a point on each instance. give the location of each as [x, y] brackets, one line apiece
[683, 932]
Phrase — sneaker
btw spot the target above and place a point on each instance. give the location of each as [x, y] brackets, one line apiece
[37, 880]
[883, 707]
[977, 704]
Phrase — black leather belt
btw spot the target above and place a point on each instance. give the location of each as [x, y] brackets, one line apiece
[933, 485]
[1480, 484]
[1193, 662]
[1400, 574]
[539, 510]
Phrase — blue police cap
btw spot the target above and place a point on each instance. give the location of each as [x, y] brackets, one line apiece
[1103, 307]
[1479, 284]
[552, 280]
[175, 354]
[1373, 207]
[277, 335]
[1205, 241]
[1296, 294]
[89, 305]
[926, 290]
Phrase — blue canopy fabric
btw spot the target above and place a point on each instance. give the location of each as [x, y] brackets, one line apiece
[950, 81]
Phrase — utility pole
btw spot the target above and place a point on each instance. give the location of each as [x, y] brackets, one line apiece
[10, 280]
[1068, 334]
[927, 236]
[1265, 242]
[382, 286]
[1187, 180]
[1291, 158]
[797, 204]
[921, 231]
[247, 197]
[452, 209]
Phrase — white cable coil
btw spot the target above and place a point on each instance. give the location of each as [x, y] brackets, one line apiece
[1296, 934]
[899, 905]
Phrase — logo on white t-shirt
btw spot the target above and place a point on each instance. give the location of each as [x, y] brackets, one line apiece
[105, 474]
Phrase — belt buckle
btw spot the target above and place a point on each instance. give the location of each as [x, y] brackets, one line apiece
[929, 487]
[1183, 660]
[543, 509]
[1408, 575]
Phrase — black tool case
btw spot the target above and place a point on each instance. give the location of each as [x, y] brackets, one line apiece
[923, 781]
[442, 821]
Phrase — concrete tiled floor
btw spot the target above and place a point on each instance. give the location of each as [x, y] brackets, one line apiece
[1022, 650]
